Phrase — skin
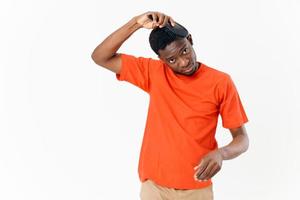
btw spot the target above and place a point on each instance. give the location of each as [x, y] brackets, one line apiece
[179, 55]
[182, 56]
[212, 162]
[105, 54]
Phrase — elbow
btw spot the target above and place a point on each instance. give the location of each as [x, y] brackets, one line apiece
[99, 58]
[95, 58]
[246, 144]
[97, 55]
[99, 61]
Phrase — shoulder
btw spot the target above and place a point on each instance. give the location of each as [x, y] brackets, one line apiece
[130, 59]
[214, 74]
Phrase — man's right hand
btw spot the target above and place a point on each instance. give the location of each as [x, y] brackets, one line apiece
[151, 20]
[105, 54]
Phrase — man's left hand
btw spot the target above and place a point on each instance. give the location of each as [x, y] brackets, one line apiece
[209, 166]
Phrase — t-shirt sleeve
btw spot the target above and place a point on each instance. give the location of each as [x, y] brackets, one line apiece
[135, 70]
[230, 105]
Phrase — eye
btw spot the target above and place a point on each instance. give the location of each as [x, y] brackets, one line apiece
[172, 60]
[185, 51]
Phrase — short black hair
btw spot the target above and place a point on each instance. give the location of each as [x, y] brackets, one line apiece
[160, 37]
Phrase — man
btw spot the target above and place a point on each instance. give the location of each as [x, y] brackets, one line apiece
[179, 154]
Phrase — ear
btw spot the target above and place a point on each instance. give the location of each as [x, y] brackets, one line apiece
[158, 55]
[160, 58]
[189, 38]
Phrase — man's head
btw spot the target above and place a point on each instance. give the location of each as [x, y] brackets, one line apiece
[173, 45]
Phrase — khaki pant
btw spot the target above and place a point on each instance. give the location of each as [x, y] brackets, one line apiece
[152, 191]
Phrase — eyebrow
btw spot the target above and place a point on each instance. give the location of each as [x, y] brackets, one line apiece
[179, 51]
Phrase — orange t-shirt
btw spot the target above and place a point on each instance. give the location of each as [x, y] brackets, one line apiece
[182, 118]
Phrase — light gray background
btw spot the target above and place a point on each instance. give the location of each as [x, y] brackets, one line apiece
[70, 130]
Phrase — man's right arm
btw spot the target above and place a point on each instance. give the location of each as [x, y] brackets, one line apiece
[105, 54]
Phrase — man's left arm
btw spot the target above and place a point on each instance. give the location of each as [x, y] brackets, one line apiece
[212, 162]
[238, 145]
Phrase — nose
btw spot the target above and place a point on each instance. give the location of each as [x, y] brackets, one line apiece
[183, 62]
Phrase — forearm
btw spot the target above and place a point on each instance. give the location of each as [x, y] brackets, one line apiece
[237, 146]
[108, 48]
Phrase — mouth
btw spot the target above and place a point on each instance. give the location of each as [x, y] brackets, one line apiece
[189, 69]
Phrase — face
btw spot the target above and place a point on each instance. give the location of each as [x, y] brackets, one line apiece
[180, 56]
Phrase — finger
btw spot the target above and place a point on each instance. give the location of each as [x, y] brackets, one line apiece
[197, 173]
[166, 19]
[149, 18]
[149, 15]
[210, 170]
[161, 18]
[214, 172]
[202, 166]
[196, 176]
[154, 17]
[172, 21]
[154, 20]
[204, 174]
[199, 177]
